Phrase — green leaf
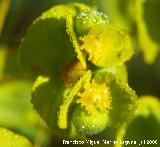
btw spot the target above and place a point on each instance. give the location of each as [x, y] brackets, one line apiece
[148, 23]
[146, 123]
[8, 139]
[46, 42]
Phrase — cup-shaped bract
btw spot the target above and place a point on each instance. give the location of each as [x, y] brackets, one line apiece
[47, 42]
[110, 48]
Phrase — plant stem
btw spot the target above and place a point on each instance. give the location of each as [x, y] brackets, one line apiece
[4, 8]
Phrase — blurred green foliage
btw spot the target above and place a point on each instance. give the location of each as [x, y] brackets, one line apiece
[8, 138]
[145, 125]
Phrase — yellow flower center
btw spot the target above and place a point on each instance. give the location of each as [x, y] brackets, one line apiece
[95, 96]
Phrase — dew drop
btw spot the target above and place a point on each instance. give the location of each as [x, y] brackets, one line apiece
[5, 133]
[94, 20]
[122, 32]
[83, 127]
[84, 22]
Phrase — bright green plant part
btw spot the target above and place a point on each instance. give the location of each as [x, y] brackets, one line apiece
[69, 94]
[95, 96]
[46, 42]
[123, 99]
[107, 96]
[51, 98]
[8, 139]
[64, 82]
[148, 23]
[70, 31]
[89, 124]
[120, 72]
[146, 123]
[47, 95]
[88, 19]
[110, 48]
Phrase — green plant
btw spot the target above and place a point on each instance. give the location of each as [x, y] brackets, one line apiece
[77, 71]
[83, 77]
